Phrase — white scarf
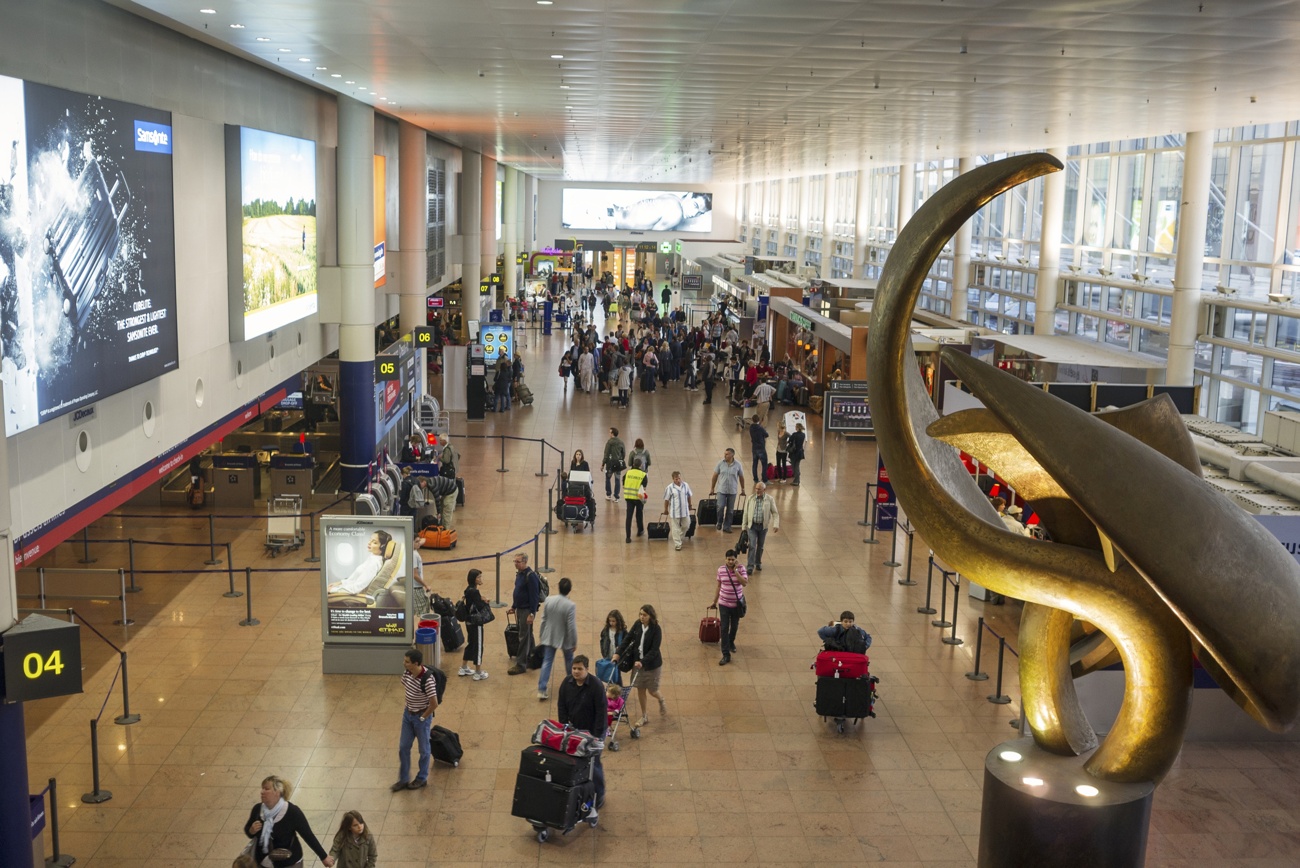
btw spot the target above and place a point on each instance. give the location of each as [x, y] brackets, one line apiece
[269, 818]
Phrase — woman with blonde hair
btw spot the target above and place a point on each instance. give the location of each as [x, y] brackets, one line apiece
[274, 825]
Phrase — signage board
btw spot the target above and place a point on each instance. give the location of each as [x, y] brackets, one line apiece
[646, 247]
[42, 658]
[387, 368]
[498, 339]
[665, 247]
[366, 579]
[692, 281]
[422, 336]
[435, 302]
[802, 321]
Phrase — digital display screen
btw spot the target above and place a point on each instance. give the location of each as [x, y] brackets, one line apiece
[637, 210]
[366, 578]
[498, 340]
[87, 249]
[270, 230]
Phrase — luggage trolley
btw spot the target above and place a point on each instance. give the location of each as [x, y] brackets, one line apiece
[846, 689]
[284, 524]
[578, 509]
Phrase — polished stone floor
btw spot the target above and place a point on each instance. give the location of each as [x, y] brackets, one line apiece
[740, 769]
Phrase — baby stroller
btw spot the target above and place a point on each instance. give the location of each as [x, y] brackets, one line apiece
[579, 509]
[612, 736]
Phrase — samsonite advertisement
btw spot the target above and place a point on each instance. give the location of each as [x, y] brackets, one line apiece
[87, 250]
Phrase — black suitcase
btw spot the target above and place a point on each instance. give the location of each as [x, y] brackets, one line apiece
[535, 657]
[738, 511]
[690, 531]
[512, 638]
[445, 745]
[708, 511]
[656, 530]
[537, 761]
[551, 804]
[845, 697]
[452, 635]
[460, 491]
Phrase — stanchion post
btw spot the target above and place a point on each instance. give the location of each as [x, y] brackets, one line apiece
[998, 697]
[547, 550]
[871, 540]
[59, 859]
[496, 603]
[85, 546]
[866, 507]
[95, 796]
[907, 578]
[311, 535]
[503, 468]
[212, 560]
[130, 560]
[40, 582]
[126, 718]
[542, 472]
[893, 541]
[943, 601]
[230, 574]
[956, 595]
[927, 609]
[979, 648]
[124, 621]
[249, 621]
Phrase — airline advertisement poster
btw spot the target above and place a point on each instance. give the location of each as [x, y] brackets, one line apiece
[366, 579]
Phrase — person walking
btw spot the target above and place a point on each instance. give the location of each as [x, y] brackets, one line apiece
[677, 506]
[782, 450]
[641, 646]
[613, 462]
[623, 382]
[354, 844]
[275, 824]
[634, 495]
[758, 446]
[639, 452]
[586, 370]
[421, 696]
[764, 392]
[709, 374]
[759, 517]
[559, 630]
[728, 480]
[527, 597]
[797, 440]
[582, 704]
[566, 368]
[471, 662]
[729, 600]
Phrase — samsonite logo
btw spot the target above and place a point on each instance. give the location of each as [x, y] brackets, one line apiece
[156, 138]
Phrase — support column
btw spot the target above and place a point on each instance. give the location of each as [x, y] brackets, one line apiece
[830, 190]
[413, 214]
[488, 230]
[528, 242]
[356, 222]
[1190, 263]
[510, 231]
[862, 221]
[961, 245]
[906, 193]
[470, 206]
[1049, 249]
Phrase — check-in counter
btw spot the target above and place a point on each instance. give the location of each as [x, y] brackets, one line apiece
[292, 474]
[236, 479]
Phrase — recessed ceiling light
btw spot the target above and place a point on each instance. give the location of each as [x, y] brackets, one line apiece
[285, 50]
[335, 75]
[236, 27]
[557, 57]
[361, 88]
[322, 67]
[208, 11]
[545, 2]
[263, 39]
[1087, 791]
[564, 87]
[1011, 756]
[568, 106]
[305, 59]
[1032, 782]
[349, 81]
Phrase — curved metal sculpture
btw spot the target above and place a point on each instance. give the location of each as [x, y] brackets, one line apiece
[1158, 561]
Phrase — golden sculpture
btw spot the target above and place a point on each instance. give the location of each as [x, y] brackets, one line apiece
[1142, 549]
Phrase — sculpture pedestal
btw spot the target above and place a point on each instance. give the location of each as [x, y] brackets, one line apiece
[1033, 815]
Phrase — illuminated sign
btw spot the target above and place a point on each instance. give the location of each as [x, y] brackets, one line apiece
[498, 340]
[665, 247]
[387, 368]
[42, 658]
[422, 336]
[802, 321]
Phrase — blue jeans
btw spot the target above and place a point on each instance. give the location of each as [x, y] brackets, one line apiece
[757, 536]
[548, 659]
[726, 502]
[759, 465]
[612, 476]
[413, 729]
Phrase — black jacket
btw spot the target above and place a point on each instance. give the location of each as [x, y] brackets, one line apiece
[285, 835]
[628, 650]
[583, 706]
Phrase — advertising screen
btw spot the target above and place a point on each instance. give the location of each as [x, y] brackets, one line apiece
[497, 340]
[638, 210]
[270, 230]
[87, 249]
[366, 579]
[381, 222]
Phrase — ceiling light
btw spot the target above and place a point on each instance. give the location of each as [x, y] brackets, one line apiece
[564, 87]
[349, 81]
[263, 39]
[322, 67]
[305, 59]
[557, 57]
[1086, 790]
[1032, 782]
[208, 11]
[335, 75]
[361, 88]
[285, 50]
[545, 2]
[236, 27]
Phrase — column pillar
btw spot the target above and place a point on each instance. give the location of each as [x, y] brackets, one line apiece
[510, 231]
[413, 214]
[356, 222]
[961, 245]
[488, 229]
[862, 221]
[1049, 249]
[529, 186]
[906, 194]
[830, 191]
[470, 206]
[1190, 263]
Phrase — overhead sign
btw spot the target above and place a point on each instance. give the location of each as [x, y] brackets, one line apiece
[497, 340]
[665, 247]
[42, 658]
[692, 281]
[802, 321]
[646, 247]
[387, 368]
[422, 336]
[847, 408]
[435, 302]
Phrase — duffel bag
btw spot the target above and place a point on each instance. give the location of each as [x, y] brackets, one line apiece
[564, 738]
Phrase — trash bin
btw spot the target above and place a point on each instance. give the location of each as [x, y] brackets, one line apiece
[426, 639]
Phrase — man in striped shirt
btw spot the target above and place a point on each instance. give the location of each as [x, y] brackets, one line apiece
[421, 701]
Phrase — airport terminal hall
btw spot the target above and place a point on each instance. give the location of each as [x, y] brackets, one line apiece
[407, 404]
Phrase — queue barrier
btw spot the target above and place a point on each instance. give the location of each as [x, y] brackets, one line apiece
[44, 593]
[59, 859]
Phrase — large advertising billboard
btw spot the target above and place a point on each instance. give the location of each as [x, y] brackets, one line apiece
[270, 230]
[87, 249]
[637, 210]
[366, 579]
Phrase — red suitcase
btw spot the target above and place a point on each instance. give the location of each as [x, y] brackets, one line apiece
[842, 664]
[710, 629]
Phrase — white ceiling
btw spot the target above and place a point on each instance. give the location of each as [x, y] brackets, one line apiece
[696, 90]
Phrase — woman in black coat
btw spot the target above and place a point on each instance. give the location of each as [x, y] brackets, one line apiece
[286, 823]
[642, 648]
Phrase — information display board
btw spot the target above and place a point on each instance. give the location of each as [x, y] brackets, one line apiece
[366, 579]
[498, 339]
[42, 658]
[847, 408]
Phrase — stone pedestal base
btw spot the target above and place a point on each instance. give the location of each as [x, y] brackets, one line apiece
[1041, 810]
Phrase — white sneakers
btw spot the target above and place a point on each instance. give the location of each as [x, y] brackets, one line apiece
[465, 670]
[480, 676]
[541, 694]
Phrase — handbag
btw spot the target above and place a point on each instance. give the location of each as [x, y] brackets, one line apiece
[481, 614]
[462, 612]
[741, 606]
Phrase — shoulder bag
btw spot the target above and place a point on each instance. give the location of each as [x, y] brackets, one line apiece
[741, 605]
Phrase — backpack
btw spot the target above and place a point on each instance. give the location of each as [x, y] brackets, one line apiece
[439, 681]
[851, 641]
[447, 465]
[543, 586]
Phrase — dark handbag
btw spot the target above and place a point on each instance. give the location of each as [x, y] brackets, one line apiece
[461, 611]
[481, 614]
[741, 606]
[742, 544]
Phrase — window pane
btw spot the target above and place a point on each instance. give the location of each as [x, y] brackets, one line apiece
[1095, 219]
[1258, 187]
[1117, 333]
[1288, 333]
[1128, 205]
[1166, 194]
[1153, 343]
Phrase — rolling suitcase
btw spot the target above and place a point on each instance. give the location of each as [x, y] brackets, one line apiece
[842, 663]
[845, 698]
[445, 746]
[710, 629]
[738, 512]
[657, 529]
[708, 511]
[513, 639]
[547, 805]
[542, 763]
[690, 530]
[451, 634]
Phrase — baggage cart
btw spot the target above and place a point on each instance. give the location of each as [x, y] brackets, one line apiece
[554, 791]
[284, 524]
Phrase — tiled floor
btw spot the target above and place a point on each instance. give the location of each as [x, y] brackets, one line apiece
[740, 770]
